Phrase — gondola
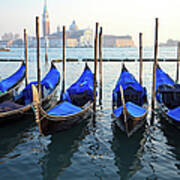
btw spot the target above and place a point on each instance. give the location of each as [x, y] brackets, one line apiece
[21, 107]
[129, 103]
[168, 97]
[71, 110]
[11, 84]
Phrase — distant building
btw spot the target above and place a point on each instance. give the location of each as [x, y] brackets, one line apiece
[10, 40]
[72, 42]
[73, 26]
[74, 37]
[45, 21]
[17, 43]
[10, 36]
[117, 41]
[169, 43]
[84, 36]
[3, 43]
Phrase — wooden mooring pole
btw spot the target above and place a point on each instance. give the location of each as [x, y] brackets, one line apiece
[26, 57]
[64, 59]
[38, 56]
[100, 67]
[154, 69]
[140, 59]
[178, 59]
[95, 66]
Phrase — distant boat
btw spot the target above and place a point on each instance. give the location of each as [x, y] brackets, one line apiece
[4, 49]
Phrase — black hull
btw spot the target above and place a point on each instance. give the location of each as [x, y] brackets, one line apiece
[164, 114]
[130, 127]
[51, 127]
[27, 111]
[16, 117]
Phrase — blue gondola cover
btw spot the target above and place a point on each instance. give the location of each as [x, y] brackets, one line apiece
[132, 108]
[64, 109]
[162, 78]
[175, 114]
[83, 84]
[48, 83]
[9, 82]
[127, 80]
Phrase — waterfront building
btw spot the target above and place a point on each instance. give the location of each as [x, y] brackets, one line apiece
[10, 36]
[75, 37]
[10, 40]
[3, 43]
[117, 41]
[169, 43]
[84, 36]
[73, 26]
[45, 20]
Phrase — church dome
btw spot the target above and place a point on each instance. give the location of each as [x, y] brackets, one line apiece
[73, 26]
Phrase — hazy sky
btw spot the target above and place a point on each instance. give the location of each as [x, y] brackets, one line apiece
[118, 17]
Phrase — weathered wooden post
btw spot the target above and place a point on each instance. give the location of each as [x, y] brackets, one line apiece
[64, 59]
[38, 56]
[100, 66]
[178, 59]
[154, 68]
[95, 66]
[25, 56]
[140, 58]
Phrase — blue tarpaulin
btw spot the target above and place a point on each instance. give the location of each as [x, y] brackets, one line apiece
[64, 109]
[84, 83]
[76, 90]
[132, 108]
[9, 82]
[175, 114]
[127, 80]
[48, 83]
[162, 78]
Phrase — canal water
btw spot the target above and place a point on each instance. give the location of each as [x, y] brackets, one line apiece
[91, 151]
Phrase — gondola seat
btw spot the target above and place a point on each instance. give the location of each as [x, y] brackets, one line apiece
[9, 106]
[64, 109]
[132, 108]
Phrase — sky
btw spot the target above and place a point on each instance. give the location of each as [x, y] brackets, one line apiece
[117, 17]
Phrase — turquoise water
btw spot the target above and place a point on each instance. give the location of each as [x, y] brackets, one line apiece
[91, 150]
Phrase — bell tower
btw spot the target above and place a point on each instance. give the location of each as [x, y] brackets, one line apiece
[45, 20]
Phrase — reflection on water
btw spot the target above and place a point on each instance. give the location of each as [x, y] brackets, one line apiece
[96, 152]
[172, 140]
[128, 152]
[11, 136]
[59, 152]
